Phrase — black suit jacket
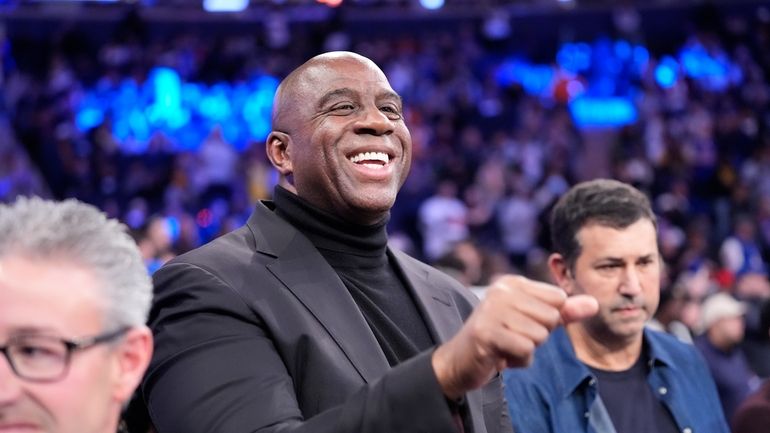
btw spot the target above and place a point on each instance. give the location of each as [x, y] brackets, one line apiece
[255, 332]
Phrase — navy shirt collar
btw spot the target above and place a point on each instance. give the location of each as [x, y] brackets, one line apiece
[573, 374]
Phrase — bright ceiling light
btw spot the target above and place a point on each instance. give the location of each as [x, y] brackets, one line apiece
[432, 4]
[225, 5]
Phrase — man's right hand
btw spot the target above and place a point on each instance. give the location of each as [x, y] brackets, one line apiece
[516, 315]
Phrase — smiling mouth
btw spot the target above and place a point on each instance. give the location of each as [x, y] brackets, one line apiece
[375, 160]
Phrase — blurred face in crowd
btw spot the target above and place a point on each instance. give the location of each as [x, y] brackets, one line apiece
[621, 269]
[727, 332]
[42, 301]
[339, 135]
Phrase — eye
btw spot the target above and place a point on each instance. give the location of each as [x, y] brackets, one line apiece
[391, 111]
[29, 351]
[646, 262]
[609, 268]
[343, 107]
[37, 352]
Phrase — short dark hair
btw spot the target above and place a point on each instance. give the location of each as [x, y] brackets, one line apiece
[602, 201]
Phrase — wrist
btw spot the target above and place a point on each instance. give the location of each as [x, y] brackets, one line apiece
[443, 371]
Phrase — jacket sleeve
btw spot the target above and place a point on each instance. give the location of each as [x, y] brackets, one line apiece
[216, 369]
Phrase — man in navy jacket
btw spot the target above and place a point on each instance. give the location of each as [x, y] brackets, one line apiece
[609, 373]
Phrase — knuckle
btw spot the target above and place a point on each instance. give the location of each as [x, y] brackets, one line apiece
[554, 316]
[539, 335]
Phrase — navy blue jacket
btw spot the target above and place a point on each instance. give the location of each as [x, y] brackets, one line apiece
[558, 393]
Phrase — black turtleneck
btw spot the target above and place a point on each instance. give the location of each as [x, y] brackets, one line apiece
[358, 255]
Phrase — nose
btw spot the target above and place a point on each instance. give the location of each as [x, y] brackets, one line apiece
[373, 121]
[10, 384]
[631, 284]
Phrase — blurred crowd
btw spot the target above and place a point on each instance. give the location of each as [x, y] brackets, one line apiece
[489, 159]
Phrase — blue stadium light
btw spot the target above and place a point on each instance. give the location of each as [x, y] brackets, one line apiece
[185, 112]
[89, 117]
[167, 109]
[216, 104]
[698, 63]
[258, 107]
[574, 57]
[641, 58]
[666, 73]
[535, 79]
[225, 5]
[602, 112]
[713, 70]
[140, 128]
[623, 50]
[432, 4]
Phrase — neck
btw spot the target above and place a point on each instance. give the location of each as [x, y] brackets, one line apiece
[330, 232]
[359, 217]
[604, 353]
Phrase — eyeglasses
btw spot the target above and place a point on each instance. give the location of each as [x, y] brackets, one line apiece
[40, 358]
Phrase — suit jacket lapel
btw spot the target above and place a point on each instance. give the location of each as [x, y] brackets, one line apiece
[443, 317]
[309, 277]
[434, 302]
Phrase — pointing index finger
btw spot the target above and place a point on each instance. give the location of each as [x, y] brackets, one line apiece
[547, 293]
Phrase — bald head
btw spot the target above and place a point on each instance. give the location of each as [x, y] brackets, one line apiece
[339, 137]
[292, 89]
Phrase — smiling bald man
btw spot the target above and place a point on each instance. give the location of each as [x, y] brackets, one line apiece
[304, 320]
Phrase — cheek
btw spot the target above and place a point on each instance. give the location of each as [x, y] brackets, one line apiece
[651, 286]
[601, 287]
[82, 401]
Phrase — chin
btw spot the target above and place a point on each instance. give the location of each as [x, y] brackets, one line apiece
[375, 203]
[629, 331]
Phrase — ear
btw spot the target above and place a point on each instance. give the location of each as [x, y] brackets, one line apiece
[560, 272]
[278, 148]
[133, 357]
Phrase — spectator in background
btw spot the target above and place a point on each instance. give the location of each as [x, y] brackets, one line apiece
[443, 220]
[753, 415]
[740, 252]
[218, 163]
[464, 262]
[754, 291]
[517, 219]
[609, 373]
[667, 317]
[154, 240]
[722, 333]
[74, 297]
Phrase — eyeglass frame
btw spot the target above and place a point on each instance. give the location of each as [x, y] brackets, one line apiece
[71, 346]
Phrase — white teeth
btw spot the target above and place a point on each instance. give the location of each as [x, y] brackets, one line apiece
[370, 156]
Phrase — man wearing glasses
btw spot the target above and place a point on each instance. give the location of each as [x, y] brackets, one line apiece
[74, 297]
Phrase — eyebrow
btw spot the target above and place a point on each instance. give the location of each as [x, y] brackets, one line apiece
[615, 260]
[350, 93]
[31, 331]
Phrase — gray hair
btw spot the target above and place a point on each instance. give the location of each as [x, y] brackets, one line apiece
[78, 232]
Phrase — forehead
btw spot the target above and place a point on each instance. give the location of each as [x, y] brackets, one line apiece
[50, 295]
[328, 75]
[601, 241]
